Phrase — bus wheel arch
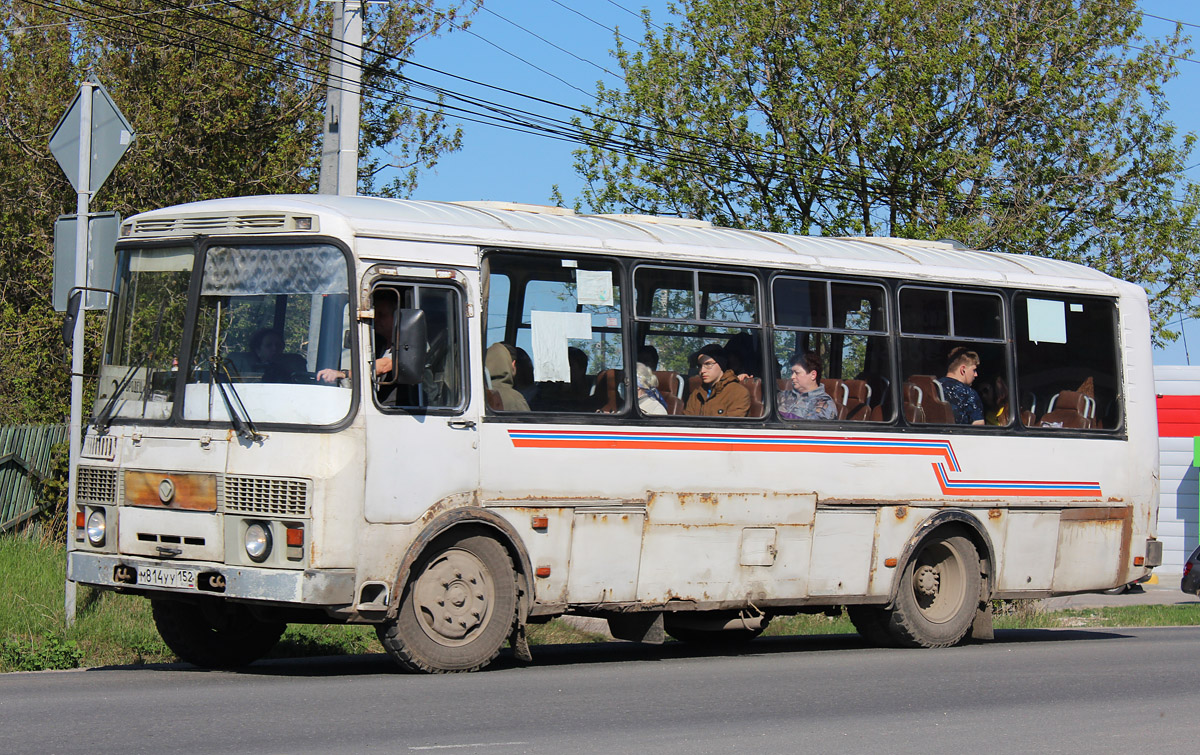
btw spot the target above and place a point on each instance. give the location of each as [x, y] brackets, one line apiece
[942, 590]
[968, 525]
[462, 590]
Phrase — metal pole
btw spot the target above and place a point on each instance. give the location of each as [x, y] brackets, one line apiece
[75, 431]
[331, 147]
[339, 151]
[352, 41]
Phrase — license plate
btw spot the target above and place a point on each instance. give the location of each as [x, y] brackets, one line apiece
[159, 577]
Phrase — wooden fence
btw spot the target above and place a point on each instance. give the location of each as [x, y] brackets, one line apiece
[25, 460]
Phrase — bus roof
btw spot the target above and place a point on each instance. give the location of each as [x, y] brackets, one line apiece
[537, 227]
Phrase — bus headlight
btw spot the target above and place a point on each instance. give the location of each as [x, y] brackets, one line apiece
[95, 527]
[258, 541]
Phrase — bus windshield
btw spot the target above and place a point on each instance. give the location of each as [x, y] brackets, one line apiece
[145, 329]
[272, 329]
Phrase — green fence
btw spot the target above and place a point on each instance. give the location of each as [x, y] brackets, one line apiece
[25, 460]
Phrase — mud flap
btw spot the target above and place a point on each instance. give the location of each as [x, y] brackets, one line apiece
[981, 628]
[519, 642]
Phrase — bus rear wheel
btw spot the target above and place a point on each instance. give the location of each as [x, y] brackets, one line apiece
[214, 635]
[938, 595]
[458, 607]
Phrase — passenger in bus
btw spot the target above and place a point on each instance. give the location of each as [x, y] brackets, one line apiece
[501, 366]
[648, 355]
[993, 393]
[961, 371]
[650, 401]
[719, 394]
[574, 395]
[743, 356]
[806, 398]
[523, 377]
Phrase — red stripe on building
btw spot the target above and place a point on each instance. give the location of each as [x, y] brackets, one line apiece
[1178, 416]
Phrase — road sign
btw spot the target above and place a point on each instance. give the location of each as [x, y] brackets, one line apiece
[101, 257]
[111, 136]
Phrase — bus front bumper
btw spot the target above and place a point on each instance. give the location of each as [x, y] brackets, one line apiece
[325, 587]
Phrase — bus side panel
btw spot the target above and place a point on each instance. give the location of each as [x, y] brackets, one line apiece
[1084, 532]
[1026, 558]
[726, 546]
[843, 541]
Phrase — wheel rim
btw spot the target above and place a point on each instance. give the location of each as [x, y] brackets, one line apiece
[939, 582]
[454, 597]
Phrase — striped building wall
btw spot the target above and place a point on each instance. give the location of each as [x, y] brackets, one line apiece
[1178, 390]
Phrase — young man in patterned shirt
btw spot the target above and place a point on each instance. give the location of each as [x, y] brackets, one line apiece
[956, 385]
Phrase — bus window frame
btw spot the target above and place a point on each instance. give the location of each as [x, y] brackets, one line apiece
[513, 324]
[193, 313]
[1006, 340]
[1119, 431]
[417, 283]
[889, 334]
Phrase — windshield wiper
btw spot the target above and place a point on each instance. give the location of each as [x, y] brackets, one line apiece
[245, 429]
[103, 417]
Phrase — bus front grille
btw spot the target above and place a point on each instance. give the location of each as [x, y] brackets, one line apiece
[268, 496]
[96, 485]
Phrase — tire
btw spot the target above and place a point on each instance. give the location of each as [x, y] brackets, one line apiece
[872, 623]
[223, 636]
[457, 609]
[938, 595]
[712, 637]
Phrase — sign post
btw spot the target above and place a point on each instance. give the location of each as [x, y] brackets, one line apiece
[87, 142]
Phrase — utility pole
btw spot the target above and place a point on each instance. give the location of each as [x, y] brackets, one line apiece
[339, 153]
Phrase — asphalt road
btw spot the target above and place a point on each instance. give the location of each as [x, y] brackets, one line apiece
[1030, 691]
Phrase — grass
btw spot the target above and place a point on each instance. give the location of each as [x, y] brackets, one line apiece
[112, 629]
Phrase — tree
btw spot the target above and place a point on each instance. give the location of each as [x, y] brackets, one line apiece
[1025, 126]
[226, 99]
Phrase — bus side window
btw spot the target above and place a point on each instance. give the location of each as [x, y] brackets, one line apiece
[941, 328]
[1067, 361]
[844, 325]
[683, 310]
[559, 316]
[443, 384]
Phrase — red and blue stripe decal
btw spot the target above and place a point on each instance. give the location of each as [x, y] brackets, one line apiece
[942, 450]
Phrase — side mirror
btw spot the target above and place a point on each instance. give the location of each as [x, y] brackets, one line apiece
[72, 314]
[411, 343]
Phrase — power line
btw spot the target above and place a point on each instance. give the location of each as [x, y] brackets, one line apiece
[485, 9]
[560, 4]
[490, 113]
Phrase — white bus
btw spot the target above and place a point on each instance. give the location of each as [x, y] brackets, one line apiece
[424, 416]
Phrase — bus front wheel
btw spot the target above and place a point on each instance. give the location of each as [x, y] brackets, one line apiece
[938, 595]
[458, 607]
[215, 635]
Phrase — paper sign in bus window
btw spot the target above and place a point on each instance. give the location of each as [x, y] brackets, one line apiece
[551, 331]
[594, 287]
[1047, 321]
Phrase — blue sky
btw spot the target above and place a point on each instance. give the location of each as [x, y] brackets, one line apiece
[558, 49]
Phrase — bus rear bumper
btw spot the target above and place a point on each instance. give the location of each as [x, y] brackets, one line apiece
[311, 587]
